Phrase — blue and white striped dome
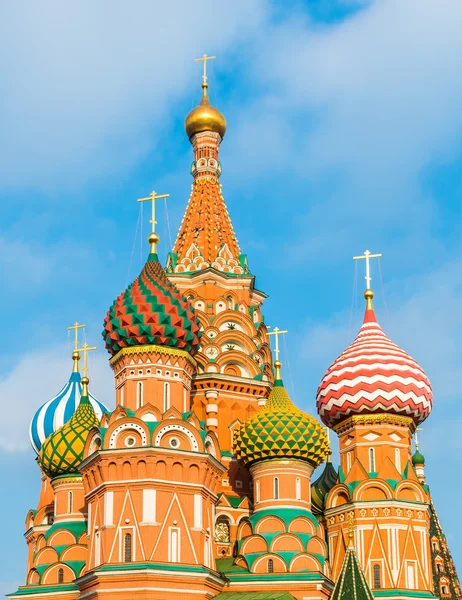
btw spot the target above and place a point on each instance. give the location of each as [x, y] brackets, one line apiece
[59, 410]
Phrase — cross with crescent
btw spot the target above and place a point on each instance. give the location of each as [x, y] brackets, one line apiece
[367, 256]
[76, 328]
[277, 332]
[85, 349]
[204, 58]
[153, 196]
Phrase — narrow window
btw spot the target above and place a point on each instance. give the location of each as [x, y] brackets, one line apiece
[270, 565]
[70, 502]
[166, 396]
[298, 489]
[398, 460]
[60, 575]
[410, 577]
[128, 547]
[276, 488]
[444, 590]
[439, 567]
[122, 396]
[377, 577]
[139, 394]
[348, 461]
[372, 460]
[257, 491]
[97, 549]
[174, 545]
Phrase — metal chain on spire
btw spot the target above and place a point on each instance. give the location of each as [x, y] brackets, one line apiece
[133, 248]
[354, 299]
[382, 290]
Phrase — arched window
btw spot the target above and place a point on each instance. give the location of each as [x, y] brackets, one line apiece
[70, 502]
[230, 302]
[398, 459]
[348, 461]
[222, 530]
[60, 575]
[270, 565]
[128, 547]
[139, 394]
[298, 489]
[372, 460]
[276, 488]
[166, 396]
[257, 491]
[377, 577]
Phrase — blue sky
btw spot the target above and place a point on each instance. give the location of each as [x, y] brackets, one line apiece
[344, 133]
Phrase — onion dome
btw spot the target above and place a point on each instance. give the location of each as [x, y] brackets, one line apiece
[418, 458]
[57, 411]
[205, 118]
[322, 486]
[373, 375]
[62, 451]
[151, 311]
[280, 430]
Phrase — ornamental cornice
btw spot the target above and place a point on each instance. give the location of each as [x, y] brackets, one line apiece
[373, 419]
[149, 349]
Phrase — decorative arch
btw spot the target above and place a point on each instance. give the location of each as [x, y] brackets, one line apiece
[46, 556]
[63, 537]
[254, 544]
[166, 428]
[286, 542]
[408, 490]
[316, 546]
[376, 489]
[304, 562]
[50, 575]
[126, 427]
[270, 524]
[261, 564]
[302, 525]
[244, 528]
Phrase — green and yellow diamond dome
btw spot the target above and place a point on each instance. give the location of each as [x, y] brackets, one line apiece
[280, 430]
[62, 452]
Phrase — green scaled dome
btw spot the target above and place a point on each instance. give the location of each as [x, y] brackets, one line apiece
[151, 311]
[280, 430]
[62, 452]
[418, 458]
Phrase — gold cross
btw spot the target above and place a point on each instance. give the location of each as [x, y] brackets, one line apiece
[204, 58]
[85, 349]
[76, 328]
[153, 197]
[367, 256]
[277, 332]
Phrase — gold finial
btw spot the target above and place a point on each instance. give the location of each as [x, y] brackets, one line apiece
[204, 58]
[153, 237]
[368, 294]
[75, 354]
[85, 381]
[277, 363]
[351, 530]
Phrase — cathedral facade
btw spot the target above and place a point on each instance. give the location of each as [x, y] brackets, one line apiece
[199, 484]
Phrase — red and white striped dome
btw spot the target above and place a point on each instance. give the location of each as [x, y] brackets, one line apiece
[373, 375]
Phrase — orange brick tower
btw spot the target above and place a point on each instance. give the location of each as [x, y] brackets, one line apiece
[374, 396]
[234, 359]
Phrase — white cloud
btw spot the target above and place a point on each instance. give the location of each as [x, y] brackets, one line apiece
[35, 379]
[84, 83]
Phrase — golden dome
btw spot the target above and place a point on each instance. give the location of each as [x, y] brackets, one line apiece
[205, 118]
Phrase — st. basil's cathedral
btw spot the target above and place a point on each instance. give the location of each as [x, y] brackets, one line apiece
[200, 483]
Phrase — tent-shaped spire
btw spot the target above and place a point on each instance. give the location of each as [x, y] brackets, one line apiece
[351, 585]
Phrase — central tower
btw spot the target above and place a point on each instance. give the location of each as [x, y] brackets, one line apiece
[233, 372]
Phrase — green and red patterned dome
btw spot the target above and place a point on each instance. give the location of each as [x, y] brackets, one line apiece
[151, 311]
